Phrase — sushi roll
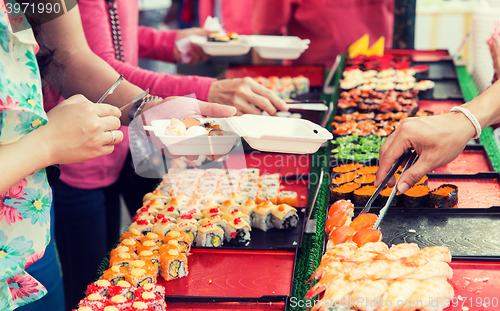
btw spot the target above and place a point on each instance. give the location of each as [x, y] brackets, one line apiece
[340, 179]
[154, 257]
[94, 302]
[346, 168]
[416, 196]
[284, 216]
[145, 216]
[157, 203]
[248, 208]
[121, 302]
[181, 237]
[301, 84]
[157, 289]
[164, 225]
[216, 220]
[211, 211]
[173, 265]
[237, 214]
[173, 244]
[155, 237]
[384, 196]
[131, 234]
[262, 216]
[189, 226]
[269, 195]
[193, 213]
[148, 245]
[132, 244]
[114, 274]
[143, 263]
[210, 235]
[229, 206]
[169, 212]
[364, 180]
[238, 231]
[139, 277]
[363, 194]
[100, 287]
[445, 196]
[151, 299]
[143, 226]
[122, 249]
[343, 192]
[121, 259]
[122, 288]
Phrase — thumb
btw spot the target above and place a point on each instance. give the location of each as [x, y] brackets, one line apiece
[412, 175]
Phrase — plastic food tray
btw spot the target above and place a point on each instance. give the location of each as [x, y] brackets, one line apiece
[444, 90]
[263, 133]
[466, 232]
[472, 160]
[444, 69]
[221, 48]
[315, 74]
[438, 106]
[218, 275]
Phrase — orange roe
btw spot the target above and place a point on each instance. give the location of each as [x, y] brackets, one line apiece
[417, 191]
[346, 188]
[367, 170]
[444, 191]
[365, 179]
[347, 168]
[366, 190]
[343, 178]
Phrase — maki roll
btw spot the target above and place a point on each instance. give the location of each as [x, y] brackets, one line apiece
[173, 265]
[139, 276]
[237, 214]
[248, 208]
[121, 259]
[143, 263]
[229, 206]
[287, 197]
[267, 195]
[170, 212]
[211, 211]
[121, 302]
[114, 274]
[122, 249]
[94, 302]
[384, 196]
[344, 192]
[216, 220]
[262, 216]
[238, 231]
[151, 299]
[346, 168]
[210, 235]
[284, 216]
[131, 234]
[445, 196]
[363, 194]
[344, 178]
[143, 226]
[416, 196]
[153, 257]
[100, 287]
[148, 245]
[172, 244]
[181, 237]
[365, 179]
[164, 225]
[367, 170]
[155, 237]
[157, 289]
[189, 226]
[122, 288]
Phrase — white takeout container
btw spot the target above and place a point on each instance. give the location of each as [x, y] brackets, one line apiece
[271, 47]
[221, 48]
[264, 133]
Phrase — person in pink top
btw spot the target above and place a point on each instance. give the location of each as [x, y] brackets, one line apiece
[234, 15]
[331, 25]
[86, 198]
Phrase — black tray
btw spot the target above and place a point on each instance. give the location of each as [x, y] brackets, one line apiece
[443, 90]
[440, 70]
[278, 239]
[466, 232]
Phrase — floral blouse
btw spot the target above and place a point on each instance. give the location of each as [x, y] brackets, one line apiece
[24, 208]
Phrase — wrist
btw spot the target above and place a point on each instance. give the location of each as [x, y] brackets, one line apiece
[466, 128]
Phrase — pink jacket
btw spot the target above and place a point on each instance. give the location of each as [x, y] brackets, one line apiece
[331, 25]
[235, 14]
[137, 42]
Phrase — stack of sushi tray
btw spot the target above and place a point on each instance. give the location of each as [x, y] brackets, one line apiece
[452, 211]
[195, 237]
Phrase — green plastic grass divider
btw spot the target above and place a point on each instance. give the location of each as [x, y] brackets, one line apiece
[487, 139]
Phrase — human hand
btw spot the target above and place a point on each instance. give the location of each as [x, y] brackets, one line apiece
[195, 52]
[436, 139]
[246, 95]
[79, 130]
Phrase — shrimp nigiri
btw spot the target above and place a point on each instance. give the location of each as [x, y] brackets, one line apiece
[396, 270]
[399, 251]
[431, 295]
[340, 251]
[432, 269]
[428, 254]
[398, 293]
[367, 295]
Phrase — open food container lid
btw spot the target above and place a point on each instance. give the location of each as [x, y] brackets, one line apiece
[221, 48]
[264, 133]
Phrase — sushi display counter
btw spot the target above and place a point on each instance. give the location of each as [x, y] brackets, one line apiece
[274, 274]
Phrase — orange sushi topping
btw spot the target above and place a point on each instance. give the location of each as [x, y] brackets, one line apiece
[341, 235]
[367, 235]
[347, 168]
[444, 191]
[417, 191]
[347, 177]
[363, 221]
[366, 190]
[340, 206]
[367, 170]
[346, 188]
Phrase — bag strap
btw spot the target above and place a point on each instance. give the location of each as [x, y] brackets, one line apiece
[115, 30]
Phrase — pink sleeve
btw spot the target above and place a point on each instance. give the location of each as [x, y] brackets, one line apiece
[95, 20]
[156, 44]
[205, 9]
[270, 19]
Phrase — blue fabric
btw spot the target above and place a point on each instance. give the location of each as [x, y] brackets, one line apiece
[80, 230]
[47, 270]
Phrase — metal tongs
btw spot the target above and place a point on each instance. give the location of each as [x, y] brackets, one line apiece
[410, 157]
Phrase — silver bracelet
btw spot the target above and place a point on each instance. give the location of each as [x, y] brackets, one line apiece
[471, 118]
[139, 105]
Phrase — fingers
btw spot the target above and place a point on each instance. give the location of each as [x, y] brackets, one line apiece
[110, 123]
[258, 101]
[414, 174]
[277, 102]
[111, 137]
[104, 110]
[197, 52]
[389, 153]
[216, 110]
[245, 107]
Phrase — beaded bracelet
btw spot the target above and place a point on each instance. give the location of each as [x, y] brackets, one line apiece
[137, 107]
[471, 118]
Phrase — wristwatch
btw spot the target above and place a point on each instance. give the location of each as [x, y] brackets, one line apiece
[139, 105]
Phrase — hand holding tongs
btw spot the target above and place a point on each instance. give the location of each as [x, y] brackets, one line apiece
[410, 157]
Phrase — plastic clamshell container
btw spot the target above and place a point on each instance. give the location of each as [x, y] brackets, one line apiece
[278, 47]
[221, 48]
[264, 133]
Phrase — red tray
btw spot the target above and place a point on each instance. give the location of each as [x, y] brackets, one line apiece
[476, 282]
[315, 74]
[474, 191]
[438, 106]
[468, 162]
[233, 274]
[422, 55]
[226, 306]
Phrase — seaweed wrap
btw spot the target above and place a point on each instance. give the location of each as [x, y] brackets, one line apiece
[238, 231]
[114, 274]
[344, 192]
[445, 196]
[262, 216]
[416, 196]
[210, 235]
